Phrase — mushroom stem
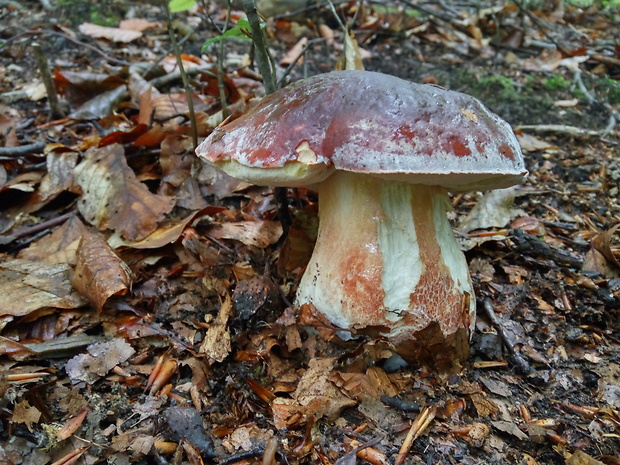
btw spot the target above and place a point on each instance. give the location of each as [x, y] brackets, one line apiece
[386, 262]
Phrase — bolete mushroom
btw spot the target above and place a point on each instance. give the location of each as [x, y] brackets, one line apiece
[383, 154]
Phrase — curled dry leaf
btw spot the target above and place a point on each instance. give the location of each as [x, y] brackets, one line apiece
[99, 273]
[603, 244]
[259, 233]
[112, 196]
[58, 247]
[100, 359]
[217, 341]
[316, 395]
[26, 286]
[114, 34]
[59, 177]
[71, 426]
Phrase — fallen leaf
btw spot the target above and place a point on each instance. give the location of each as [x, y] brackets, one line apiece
[494, 209]
[259, 233]
[25, 413]
[316, 395]
[510, 428]
[217, 340]
[26, 286]
[112, 197]
[581, 458]
[58, 247]
[100, 359]
[99, 272]
[137, 24]
[114, 34]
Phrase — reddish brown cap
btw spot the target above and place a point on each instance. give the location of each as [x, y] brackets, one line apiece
[372, 123]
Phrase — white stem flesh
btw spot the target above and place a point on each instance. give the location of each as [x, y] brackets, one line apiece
[386, 257]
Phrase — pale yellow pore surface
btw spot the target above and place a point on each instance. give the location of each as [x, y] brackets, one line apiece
[386, 257]
[292, 174]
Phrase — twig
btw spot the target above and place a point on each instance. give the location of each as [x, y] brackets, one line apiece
[22, 149]
[345, 458]
[529, 244]
[265, 65]
[400, 404]
[418, 426]
[262, 52]
[573, 131]
[188, 90]
[43, 226]
[515, 356]
[56, 111]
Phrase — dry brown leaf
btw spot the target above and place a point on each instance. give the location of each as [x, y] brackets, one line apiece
[257, 233]
[101, 105]
[114, 34]
[99, 272]
[294, 54]
[217, 341]
[112, 196]
[24, 413]
[137, 24]
[581, 458]
[316, 395]
[58, 247]
[530, 143]
[59, 177]
[603, 244]
[71, 426]
[26, 286]
[100, 359]
[510, 428]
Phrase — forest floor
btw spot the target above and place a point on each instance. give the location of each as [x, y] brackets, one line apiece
[145, 311]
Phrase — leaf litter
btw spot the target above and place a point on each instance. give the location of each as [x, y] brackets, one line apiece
[146, 299]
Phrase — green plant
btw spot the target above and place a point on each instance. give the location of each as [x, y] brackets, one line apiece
[501, 86]
[556, 82]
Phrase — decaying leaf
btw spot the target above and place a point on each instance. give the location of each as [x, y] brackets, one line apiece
[495, 209]
[58, 247]
[259, 233]
[217, 341]
[114, 34]
[316, 396]
[99, 272]
[100, 359]
[26, 286]
[112, 196]
[510, 428]
[581, 458]
[26, 414]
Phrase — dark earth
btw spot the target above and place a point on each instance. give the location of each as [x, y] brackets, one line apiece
[177, 344]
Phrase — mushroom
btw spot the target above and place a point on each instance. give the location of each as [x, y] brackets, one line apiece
[383, 154]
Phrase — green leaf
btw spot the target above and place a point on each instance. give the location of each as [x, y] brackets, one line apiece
[240, 30]
[180, 5]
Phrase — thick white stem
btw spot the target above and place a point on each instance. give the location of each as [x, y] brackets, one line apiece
[386, 261]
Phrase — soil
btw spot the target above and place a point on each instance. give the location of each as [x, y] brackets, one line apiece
[247, 382]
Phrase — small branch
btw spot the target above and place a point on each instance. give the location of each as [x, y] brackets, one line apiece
[188, 90]
[22, 149]
[515, 356]
[572, 131]
[260, 44]
[528, 244]
[56, 111]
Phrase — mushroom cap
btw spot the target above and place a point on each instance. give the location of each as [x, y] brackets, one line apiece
[371, 123]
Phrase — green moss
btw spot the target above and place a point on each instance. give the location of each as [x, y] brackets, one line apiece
[556, 82]
[610, 89]
[501, 86]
